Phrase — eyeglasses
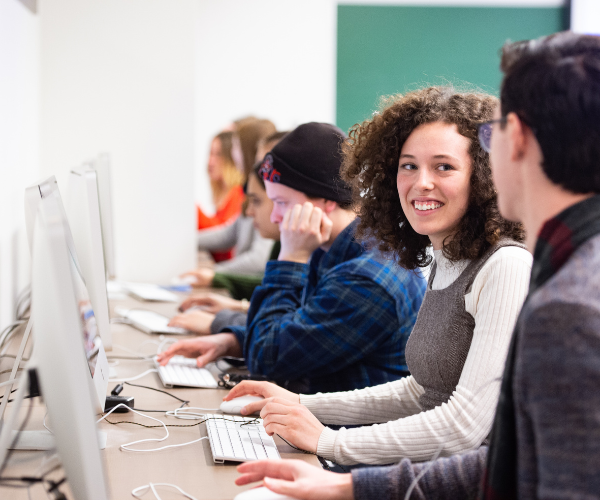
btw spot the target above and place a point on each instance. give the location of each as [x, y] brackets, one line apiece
[484, 133]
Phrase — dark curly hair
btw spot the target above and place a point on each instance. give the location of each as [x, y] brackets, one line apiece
[371, 157]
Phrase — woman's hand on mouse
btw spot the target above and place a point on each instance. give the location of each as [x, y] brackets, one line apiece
[297, 479]
[265, 389]
[293, 422]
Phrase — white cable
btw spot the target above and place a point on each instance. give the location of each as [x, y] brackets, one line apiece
[10, 381]
[187, 415]
[131, 379]
[152, 487]
[126, 446]
[44, 422]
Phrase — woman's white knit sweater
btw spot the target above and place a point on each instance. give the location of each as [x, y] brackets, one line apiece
[462, 423]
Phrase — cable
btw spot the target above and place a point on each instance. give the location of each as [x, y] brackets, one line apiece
[158, 390]
[16, 439]
[127, 446]
[9, 381]
[152, 487]
[152, 370]
[184, 414]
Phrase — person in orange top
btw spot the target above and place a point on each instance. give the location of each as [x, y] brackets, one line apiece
[226, 183]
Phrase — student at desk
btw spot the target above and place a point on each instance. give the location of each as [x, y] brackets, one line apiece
[544, 141]
[422, 179]
[217, 310]
[330, 314]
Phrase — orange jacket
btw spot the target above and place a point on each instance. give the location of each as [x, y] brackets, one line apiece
[229, 209]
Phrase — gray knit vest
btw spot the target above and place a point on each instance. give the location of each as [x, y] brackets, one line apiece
[437, 348]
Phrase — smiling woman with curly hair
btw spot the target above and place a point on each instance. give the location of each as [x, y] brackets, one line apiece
[421, 178]
[371, 165]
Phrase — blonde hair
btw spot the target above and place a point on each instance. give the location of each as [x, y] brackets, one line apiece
[232, 177]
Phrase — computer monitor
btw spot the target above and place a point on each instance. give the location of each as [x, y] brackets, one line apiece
[102, 166]
[66, 352]
[35, 203]
[83, 212]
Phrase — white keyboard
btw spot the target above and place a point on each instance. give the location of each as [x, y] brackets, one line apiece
[150, 292]
[149, 321]
[184, 372]
[231, 441]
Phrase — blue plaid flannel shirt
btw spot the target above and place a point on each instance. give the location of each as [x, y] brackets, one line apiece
[336, 324]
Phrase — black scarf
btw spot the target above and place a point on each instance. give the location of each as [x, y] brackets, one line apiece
[557, 241]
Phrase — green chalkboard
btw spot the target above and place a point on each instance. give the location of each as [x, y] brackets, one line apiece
[383, 50]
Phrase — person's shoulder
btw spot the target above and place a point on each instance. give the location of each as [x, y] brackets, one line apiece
[577, 281]
[378, 268]
[506, 260]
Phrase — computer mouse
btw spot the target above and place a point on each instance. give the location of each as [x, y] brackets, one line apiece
[235, 406]
[261, 493]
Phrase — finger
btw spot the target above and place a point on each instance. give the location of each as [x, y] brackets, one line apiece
[255, 407]
[177, 320]
[272, 407]
[315, 220]
[286, 219]
[295, 217]
[326, 227]
[248, 478]
[206, 358]
[282, 469]
[308, 209]
[283, 487]
[244, 388]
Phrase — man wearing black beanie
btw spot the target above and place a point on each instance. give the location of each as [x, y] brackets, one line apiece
[330, 314]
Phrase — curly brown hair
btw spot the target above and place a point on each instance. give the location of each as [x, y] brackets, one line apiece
[371, 157]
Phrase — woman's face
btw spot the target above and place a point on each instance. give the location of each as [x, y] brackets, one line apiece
[260, 208]
[215, 161]
[434, 174]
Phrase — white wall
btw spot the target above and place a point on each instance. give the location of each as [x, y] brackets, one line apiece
[585, 16]
[19, 142]
[118, 77]
[271, 58]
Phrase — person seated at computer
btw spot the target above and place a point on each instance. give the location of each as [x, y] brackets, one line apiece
[330, 313]
[253, 247]
[421, 178]
[544, 142]
[225, 182]
[218, 311]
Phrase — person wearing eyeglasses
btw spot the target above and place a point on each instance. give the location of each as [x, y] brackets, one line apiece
[423, 180]
[544, 143]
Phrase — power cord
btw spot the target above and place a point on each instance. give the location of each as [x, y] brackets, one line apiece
[127, 446]
[152, 487]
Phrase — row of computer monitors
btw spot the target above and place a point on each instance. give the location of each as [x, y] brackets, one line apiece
[70, 322]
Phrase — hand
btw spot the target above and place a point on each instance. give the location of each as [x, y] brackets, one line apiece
[204, 277]
[212, 303]
[304, 229]
[205, 349]
[194, 321]
[297, 479]
[264, 389]
[293, 422]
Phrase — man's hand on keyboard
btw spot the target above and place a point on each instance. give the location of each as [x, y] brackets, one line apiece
[204, 349]
[293, 422]
[212, 303]
[194, 321]
[264, 389]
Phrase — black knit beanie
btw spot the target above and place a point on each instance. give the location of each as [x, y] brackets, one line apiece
[308, 160]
